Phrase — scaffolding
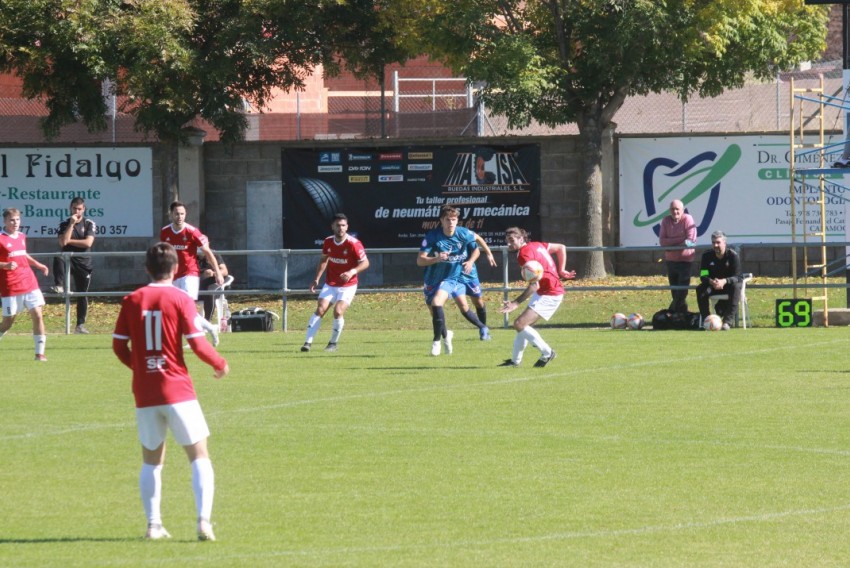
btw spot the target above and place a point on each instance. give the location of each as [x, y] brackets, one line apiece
[807, 107]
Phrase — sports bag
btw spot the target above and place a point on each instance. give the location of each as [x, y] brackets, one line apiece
[665, 319]
[253, 319]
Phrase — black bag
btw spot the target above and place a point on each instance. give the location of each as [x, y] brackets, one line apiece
[252, 319]
[666, 319]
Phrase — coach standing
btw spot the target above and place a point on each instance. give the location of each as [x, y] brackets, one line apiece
[76, 234]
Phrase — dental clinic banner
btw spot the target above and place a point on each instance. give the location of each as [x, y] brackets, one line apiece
[739, 185]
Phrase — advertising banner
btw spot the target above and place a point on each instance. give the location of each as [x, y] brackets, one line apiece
[116, 184]
[392, 196]
[737, 184]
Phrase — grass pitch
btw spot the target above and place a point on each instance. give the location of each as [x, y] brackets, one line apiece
[630, 449]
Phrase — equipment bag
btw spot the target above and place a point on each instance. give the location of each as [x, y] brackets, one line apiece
[253, 319]
[666, 319]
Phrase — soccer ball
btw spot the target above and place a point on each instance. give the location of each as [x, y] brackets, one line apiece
[712, 323]
[635, 321]
[532, 271]
[618, 321]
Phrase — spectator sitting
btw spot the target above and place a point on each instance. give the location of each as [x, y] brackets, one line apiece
[720, 273]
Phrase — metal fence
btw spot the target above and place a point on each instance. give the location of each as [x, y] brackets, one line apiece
[294, 286]
[423, 102]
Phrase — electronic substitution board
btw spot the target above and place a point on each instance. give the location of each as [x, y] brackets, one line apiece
[794, 313]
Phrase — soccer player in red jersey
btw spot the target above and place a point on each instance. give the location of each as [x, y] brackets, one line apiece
[18, 285]
[344, 258]
[546, 294]
[187, 240]
[148, 339]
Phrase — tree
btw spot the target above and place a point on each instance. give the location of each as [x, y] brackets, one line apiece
[371, 34]
[170, 62]
[564, 61]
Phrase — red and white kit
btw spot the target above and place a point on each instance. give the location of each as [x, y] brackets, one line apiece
[342, 257]
[22, 280]
[186, 242]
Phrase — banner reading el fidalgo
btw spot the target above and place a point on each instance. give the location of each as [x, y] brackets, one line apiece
[392, 196]
[738, 184]
[116, 184]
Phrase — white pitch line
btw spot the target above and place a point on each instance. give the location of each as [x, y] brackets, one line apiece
[549, 537]
[430, 388]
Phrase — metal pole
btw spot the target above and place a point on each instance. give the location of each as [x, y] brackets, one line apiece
[845, 58]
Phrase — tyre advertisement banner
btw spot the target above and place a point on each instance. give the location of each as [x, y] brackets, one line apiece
[737, 184]
[393, 196]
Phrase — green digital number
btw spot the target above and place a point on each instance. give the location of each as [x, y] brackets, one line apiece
[794, 313]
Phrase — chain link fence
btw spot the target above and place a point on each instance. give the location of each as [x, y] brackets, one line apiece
[418, 103]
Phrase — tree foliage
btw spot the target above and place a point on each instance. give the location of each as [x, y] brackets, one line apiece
[169, 61]
[576, 61]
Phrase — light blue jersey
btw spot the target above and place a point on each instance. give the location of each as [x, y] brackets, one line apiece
[459, 246]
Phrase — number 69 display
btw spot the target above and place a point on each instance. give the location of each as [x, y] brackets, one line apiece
[794, 313]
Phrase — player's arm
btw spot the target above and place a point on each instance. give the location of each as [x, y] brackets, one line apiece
[482, 244]
[121, 348]
[213, 263]
[510, 305]
[425, 259]
[474, 253]
[320, 269]
[559, 253]
[37, 265]
[209, 355]
[362, 265]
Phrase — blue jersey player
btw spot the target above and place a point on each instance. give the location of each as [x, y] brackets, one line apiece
[472, 288]
[447, 253]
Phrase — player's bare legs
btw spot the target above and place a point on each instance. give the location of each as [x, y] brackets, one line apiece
[339, 323]
[6, 324]
[525, 334]
[473, 318]
[315, 322]
[438, 321]
[38, 333]
[150, 490]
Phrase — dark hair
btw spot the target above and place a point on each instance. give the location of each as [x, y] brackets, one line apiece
[447, 210]
[518, 232]
[78, 201]
[160, 261]
[339, 217]
[175, 204]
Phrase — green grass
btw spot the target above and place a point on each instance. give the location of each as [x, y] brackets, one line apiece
[630, 449]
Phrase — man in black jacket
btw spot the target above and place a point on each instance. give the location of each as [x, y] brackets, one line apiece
[76, 234]
[720, 273]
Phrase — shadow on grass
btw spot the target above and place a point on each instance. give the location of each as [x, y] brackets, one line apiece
[59, 540]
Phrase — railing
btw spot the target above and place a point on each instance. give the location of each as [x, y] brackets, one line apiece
[504, 287]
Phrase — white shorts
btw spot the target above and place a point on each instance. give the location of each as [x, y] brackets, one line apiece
[185, 419]
[13, 305]
[338, 293]
[189, 284]
[545, 306]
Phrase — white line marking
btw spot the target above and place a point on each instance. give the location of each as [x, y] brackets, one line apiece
[430, 388]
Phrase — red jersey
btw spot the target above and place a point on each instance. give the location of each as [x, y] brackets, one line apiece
[154, 319]
[22, 280]
[550, 284]
[186, 242]
[342, 257]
